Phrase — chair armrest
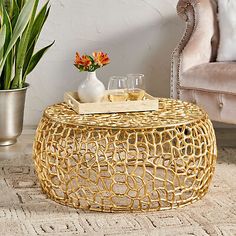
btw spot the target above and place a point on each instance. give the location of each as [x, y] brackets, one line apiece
[195, 46]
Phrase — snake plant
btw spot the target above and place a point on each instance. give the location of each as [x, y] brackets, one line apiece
[20, 26]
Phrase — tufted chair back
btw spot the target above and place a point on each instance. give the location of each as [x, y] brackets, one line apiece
[195, 75]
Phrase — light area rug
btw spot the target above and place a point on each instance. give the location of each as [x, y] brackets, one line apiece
[24, 210]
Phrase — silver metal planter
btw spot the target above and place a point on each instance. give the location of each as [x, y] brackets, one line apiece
[12, 104]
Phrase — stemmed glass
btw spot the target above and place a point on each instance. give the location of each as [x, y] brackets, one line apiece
[136, 86]
[118, 89]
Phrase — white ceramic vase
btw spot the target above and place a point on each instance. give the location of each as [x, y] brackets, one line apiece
[91, 89]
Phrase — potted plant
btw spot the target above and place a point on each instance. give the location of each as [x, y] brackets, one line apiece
[91, 89]
[20, 27]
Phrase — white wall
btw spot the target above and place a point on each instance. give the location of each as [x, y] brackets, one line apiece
[139, 36]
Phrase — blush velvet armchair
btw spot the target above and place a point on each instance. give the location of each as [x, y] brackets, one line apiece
[196, 76]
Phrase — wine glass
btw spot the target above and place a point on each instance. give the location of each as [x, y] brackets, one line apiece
[118, 87]
[136, 86]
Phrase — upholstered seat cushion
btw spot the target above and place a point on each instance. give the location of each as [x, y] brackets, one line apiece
[215, 77]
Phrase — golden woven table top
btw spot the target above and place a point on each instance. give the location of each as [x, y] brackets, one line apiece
[171, 112]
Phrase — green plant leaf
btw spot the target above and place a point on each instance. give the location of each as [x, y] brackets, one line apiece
[8, 71]
[2, 41]
[39, 22]
[28, 57]
[22, 21]
[9, 61]
[6, 21]
[22, 49]
[36, 58]
[21, 3]
[8, 5]
[20, 26]
[16, 12]
[36, 30]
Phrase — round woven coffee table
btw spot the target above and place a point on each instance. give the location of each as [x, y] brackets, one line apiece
[128, 161]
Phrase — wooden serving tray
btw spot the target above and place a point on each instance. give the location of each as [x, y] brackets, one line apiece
[149, 103]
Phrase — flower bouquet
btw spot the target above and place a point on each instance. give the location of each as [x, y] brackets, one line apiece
[91, 63]
[91, 89]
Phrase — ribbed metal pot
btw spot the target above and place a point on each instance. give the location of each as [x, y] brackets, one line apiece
[12, 104]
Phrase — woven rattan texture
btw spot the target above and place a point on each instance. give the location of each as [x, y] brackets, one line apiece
[171, 112]
[88, 166]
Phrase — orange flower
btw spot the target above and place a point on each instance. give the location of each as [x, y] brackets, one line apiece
[101, 58]
[77, 59]
[84, 61]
